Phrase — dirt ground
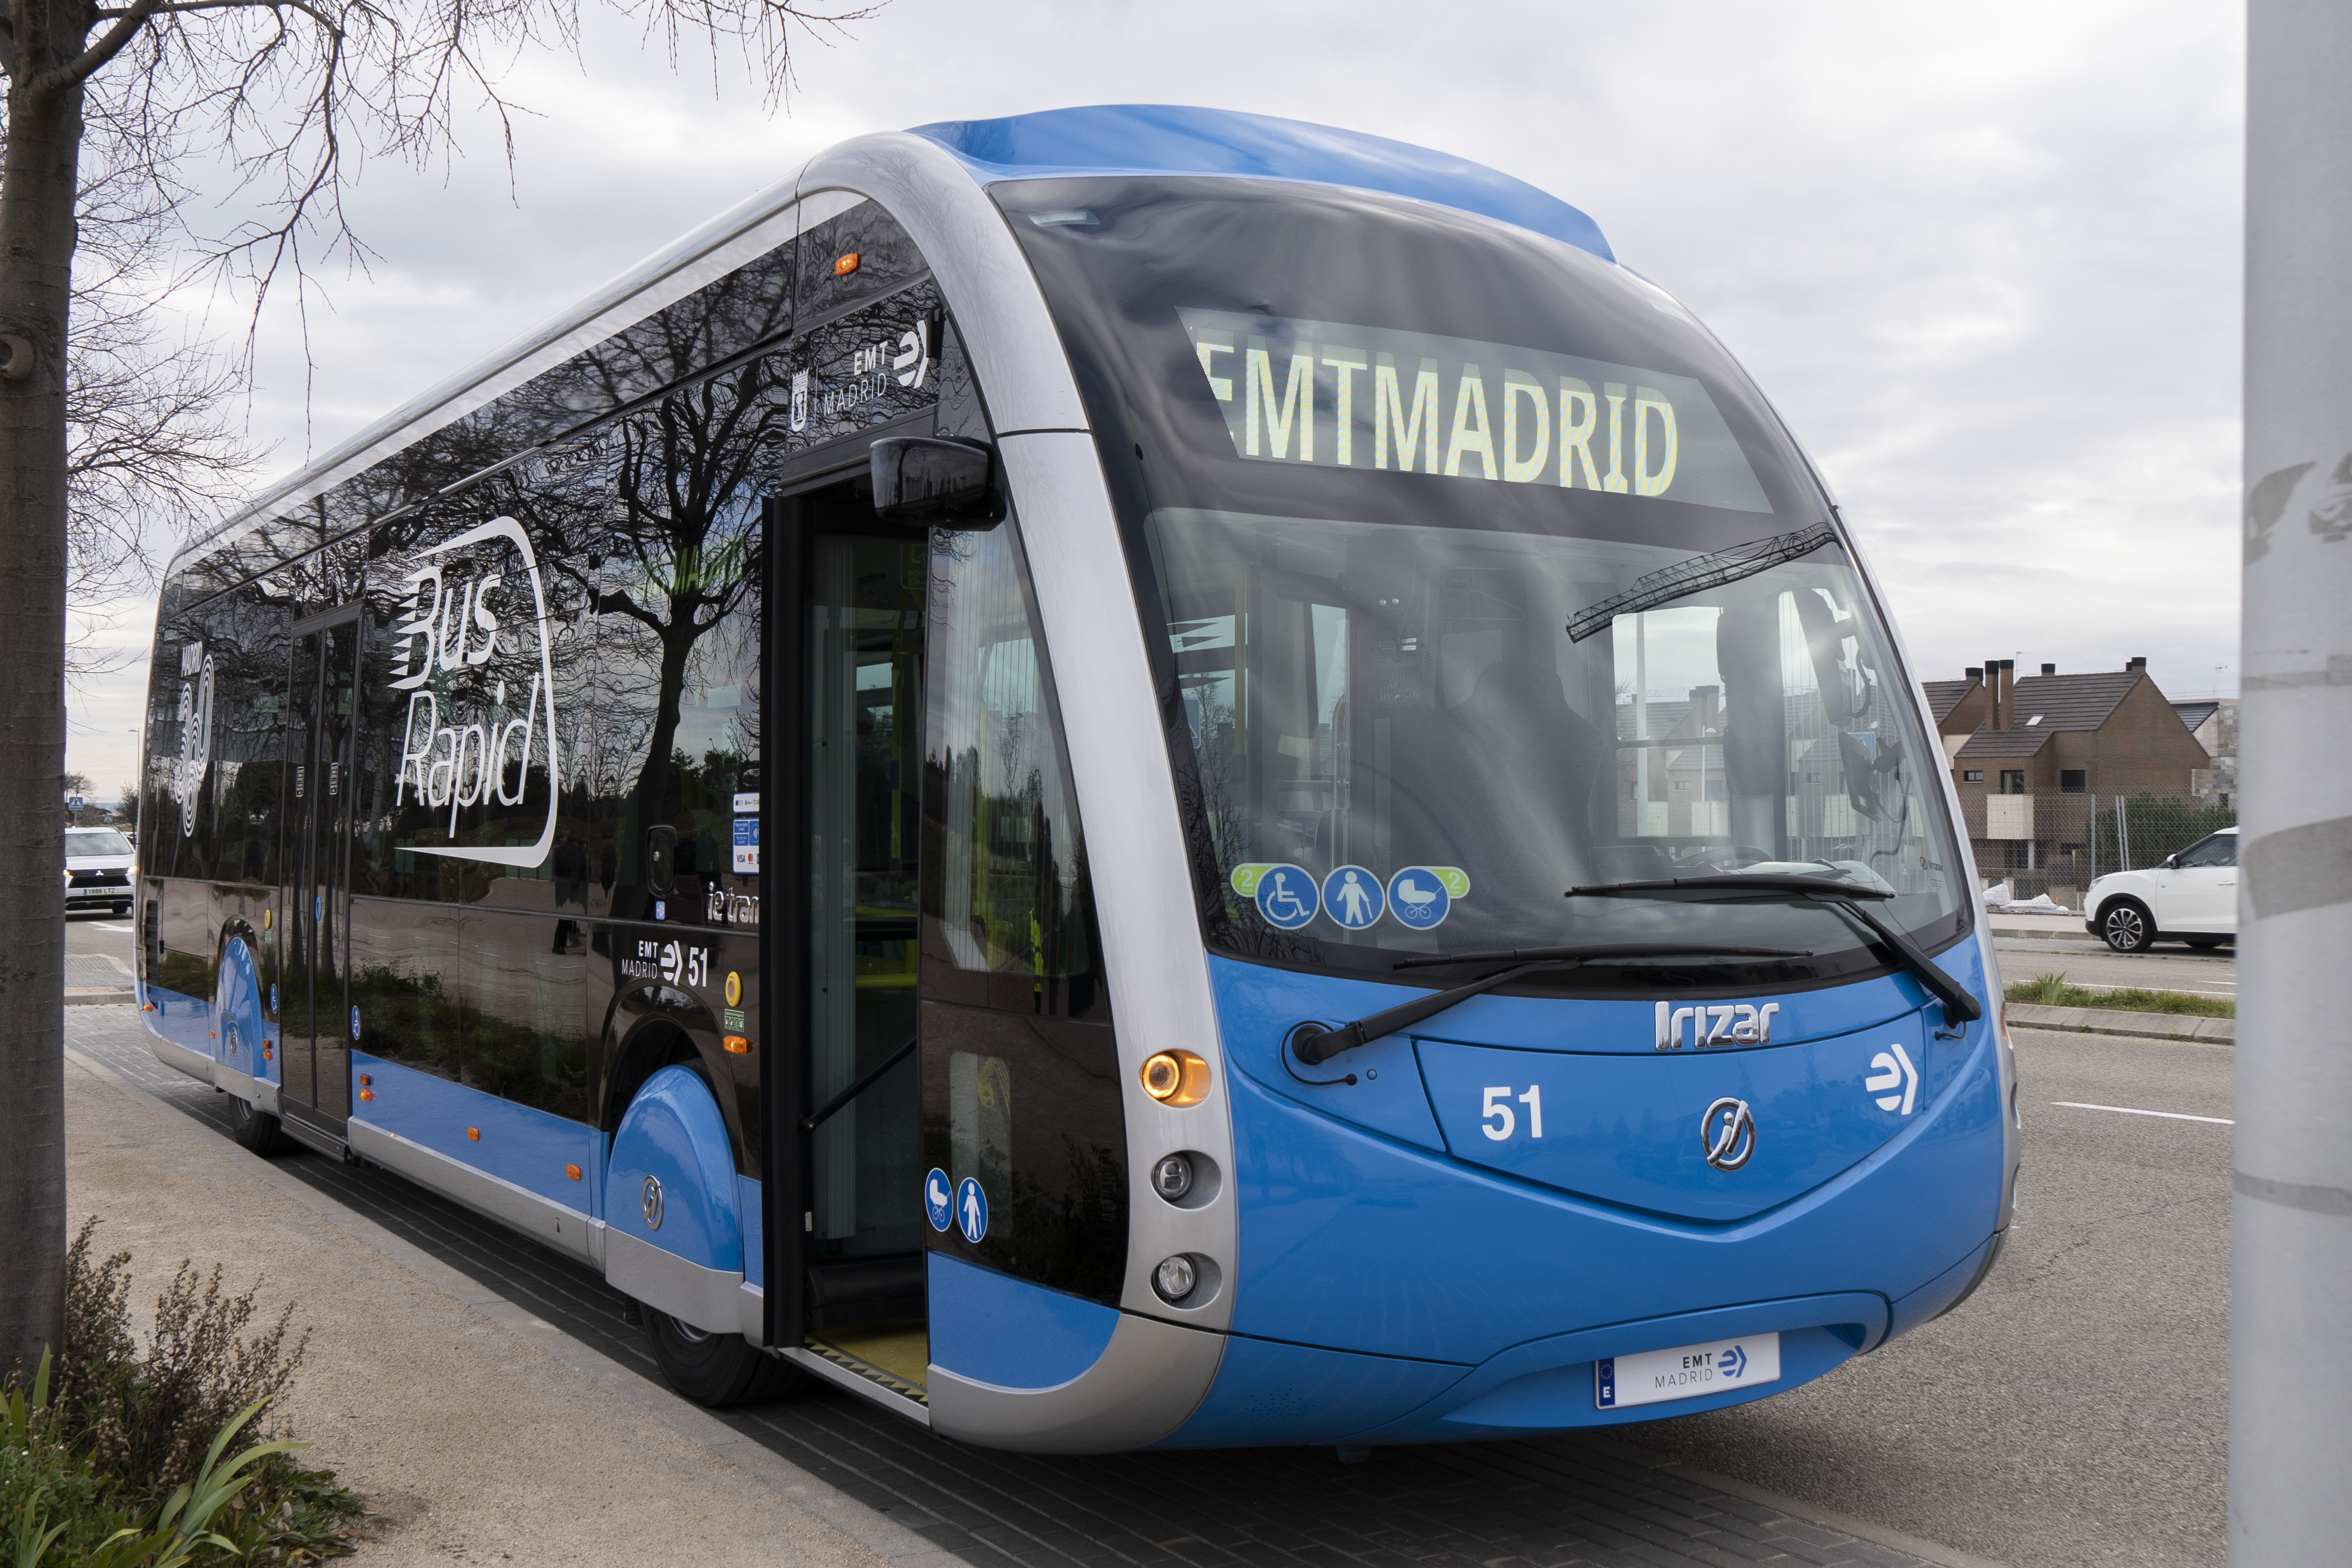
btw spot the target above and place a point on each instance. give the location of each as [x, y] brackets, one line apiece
[468, 1442]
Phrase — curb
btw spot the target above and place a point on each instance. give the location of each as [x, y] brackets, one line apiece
[866, 1526]
[2116, 1021]
[89, 997]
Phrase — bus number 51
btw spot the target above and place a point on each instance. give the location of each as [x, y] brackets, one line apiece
[1499, 1122]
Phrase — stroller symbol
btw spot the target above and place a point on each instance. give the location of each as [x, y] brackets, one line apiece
[1418, 898]
[1285, 897]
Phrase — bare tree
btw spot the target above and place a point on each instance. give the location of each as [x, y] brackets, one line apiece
[291, 98]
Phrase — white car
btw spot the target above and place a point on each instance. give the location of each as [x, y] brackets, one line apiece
[98, 869]
[2192, 897]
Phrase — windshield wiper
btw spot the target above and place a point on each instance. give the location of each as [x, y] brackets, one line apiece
[1668, 584]
[1959, 1007]
[1313, 1044]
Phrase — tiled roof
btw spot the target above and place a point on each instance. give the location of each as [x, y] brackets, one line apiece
[1943, 696]
[2195, 713]
[2005, 743]
[2073, 702]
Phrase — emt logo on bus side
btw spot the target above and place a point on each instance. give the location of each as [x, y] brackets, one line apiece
[469, 744]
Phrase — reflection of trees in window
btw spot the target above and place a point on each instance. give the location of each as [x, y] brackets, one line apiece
[674, 580]
[1006, 870]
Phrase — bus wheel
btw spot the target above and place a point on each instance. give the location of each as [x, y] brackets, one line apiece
[257, 1130]
[717, 1370]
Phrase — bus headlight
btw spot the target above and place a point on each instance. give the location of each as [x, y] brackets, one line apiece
[1174, 1279]
[1173, 1177]
[1176, 1077]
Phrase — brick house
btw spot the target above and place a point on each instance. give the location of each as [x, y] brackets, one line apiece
[2110, 732]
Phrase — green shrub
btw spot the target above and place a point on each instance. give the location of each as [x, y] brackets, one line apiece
[160, 1459]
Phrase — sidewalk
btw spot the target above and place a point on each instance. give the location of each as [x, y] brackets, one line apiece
[468, 1441]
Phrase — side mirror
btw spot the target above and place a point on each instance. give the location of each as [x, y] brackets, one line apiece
[935, 482]
[2172, 862]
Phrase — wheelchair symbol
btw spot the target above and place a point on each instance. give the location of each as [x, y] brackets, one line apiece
[1286, 897]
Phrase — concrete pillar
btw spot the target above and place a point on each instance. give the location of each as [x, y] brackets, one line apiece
[2291, 1276]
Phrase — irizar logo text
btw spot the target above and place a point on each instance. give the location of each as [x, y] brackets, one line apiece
[460, 752]
[1730, 1023]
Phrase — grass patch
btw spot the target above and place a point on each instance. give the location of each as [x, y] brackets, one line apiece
[2052, 990]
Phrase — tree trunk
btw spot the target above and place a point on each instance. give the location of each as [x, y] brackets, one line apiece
[37, 184]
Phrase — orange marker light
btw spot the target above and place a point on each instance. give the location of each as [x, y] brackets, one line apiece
[150, 1007]
[475, 1133]
[846, 265]
[573, 1172]
[737, 1046]
[367, 1094]
[365, 1079]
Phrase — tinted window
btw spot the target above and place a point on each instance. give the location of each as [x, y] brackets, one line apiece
[2221, 849]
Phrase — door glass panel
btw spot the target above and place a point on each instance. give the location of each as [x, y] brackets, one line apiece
[317, 1031]
[296, 1082]
[865, 622]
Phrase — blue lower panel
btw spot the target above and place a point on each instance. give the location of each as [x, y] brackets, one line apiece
[1272, 1393]
[994, 1329]
[515, 1143]
[1940, 1292]
[182, 1020]
[754, 1219]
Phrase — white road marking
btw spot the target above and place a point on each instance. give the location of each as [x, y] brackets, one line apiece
[2127, 1111]
[123, 929]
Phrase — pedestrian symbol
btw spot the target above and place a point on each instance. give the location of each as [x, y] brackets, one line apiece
[1419, 898]
[1285, 897]
[1352, 896]
[936, 1196]
[970, 1209]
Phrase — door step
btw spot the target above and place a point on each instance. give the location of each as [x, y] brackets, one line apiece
[895, 1356]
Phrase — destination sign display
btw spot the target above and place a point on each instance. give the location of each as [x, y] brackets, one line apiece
[1337, 395]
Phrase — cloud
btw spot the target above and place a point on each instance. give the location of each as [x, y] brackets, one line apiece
[1985, 260]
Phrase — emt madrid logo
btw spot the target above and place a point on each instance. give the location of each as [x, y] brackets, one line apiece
[464, 612]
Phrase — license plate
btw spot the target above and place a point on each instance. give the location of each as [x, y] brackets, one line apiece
[1685, 1371]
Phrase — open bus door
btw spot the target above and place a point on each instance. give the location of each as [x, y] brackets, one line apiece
[845, 1269]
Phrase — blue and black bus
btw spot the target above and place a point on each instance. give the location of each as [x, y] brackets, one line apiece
[1128, 776]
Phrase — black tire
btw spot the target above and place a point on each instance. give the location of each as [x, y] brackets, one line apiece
[717, 1370]
[121, 910]
[2203, 943]
[2126, 926]
[254, 1127]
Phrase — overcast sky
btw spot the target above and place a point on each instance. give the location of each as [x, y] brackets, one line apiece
[1984, 258]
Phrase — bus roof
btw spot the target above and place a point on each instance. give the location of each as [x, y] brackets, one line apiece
[1104, 139]
[1167, 139]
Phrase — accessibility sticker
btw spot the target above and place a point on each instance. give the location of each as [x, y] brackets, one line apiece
[938, 1199]
[1352, 896]
[970, 1209]
[747, 846]
[1421, 896]
[1285, 897]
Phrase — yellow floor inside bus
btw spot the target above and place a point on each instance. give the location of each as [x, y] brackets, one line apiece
[901, 1350]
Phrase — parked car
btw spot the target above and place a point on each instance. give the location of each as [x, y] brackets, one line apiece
[2192, 897]
[98, 870]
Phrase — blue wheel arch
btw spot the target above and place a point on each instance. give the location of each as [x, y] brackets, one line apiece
[673, 1134]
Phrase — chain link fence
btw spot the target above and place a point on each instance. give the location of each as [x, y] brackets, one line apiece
[2044, 842]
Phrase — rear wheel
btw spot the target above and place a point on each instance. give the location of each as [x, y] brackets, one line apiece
[717, 1370]
[254, 1127]
[2127, 926]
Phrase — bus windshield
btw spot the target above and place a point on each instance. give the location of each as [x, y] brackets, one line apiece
[1483, 574]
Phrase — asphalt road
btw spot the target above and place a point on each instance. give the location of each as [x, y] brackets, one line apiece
[2072, 1412]
[2168, 968]
[2075, 1409]
[101, 934]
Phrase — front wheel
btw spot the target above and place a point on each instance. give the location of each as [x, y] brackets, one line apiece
[2127, 926]
[253, 1126]
[717, 1370]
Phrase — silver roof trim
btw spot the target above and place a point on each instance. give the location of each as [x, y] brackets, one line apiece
[743, 232]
